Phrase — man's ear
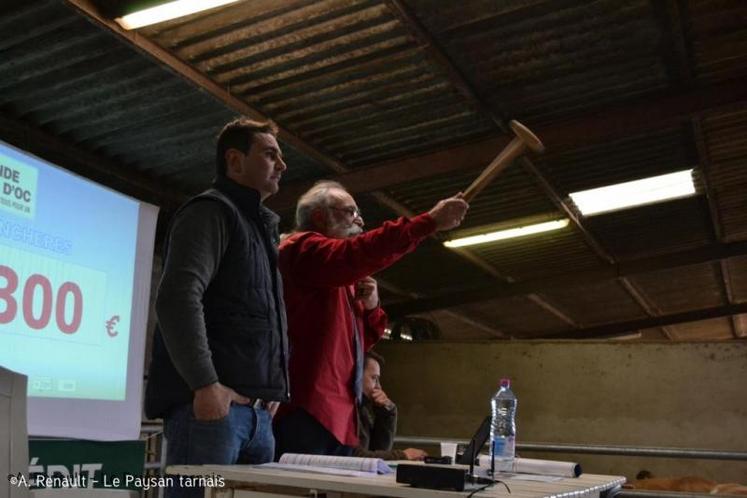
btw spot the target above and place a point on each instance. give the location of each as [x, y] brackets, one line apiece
[233, 162]
[319, 218]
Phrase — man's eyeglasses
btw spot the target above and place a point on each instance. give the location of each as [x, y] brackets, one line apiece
[353, 212]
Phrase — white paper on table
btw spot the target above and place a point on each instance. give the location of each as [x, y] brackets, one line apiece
[369, 465]
[315, 469]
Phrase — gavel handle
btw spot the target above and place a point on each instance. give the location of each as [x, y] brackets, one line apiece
[501, 162]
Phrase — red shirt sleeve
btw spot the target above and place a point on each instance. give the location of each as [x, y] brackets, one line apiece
[320, 261]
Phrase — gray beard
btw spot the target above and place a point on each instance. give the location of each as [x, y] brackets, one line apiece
[353, 231]
[344, 231]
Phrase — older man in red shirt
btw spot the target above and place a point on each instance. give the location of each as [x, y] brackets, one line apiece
[333, 310]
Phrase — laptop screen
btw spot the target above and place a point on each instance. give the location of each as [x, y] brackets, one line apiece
[476, 443]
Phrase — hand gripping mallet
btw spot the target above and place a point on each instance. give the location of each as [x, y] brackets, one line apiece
[523, 139]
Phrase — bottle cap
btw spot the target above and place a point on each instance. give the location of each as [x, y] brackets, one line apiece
[505, 382]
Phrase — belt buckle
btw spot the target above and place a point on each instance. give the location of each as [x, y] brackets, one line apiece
[258, 403]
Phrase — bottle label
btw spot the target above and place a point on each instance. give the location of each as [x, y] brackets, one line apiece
[498, 444]
[504, 447]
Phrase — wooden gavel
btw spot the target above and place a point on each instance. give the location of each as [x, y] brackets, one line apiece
[523, 139]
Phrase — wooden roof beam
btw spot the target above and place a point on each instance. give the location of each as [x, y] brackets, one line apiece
[643, 301]
[705, 254]
[618, 328]
[675, 47]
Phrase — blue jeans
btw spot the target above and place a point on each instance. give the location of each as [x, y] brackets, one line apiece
[243, 436]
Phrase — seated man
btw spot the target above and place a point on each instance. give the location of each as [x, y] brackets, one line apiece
[377, 418]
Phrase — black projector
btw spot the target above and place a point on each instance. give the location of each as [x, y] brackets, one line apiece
[436, 477]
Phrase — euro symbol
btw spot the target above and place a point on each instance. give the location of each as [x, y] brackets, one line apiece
[110, 323]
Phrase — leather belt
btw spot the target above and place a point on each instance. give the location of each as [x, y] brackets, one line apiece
[259, 403]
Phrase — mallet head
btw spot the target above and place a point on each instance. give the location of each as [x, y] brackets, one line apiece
[526, 136]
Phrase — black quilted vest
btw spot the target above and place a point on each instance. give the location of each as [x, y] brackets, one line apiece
[244, 313]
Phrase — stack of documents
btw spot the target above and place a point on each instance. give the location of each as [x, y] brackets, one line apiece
[335, 465]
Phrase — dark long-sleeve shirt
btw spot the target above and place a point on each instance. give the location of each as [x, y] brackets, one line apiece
[376, 429]
[186, 275]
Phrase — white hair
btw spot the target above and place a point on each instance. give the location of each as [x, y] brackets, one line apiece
[316, 197]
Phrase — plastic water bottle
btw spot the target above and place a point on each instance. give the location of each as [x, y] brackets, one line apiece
[503, 429]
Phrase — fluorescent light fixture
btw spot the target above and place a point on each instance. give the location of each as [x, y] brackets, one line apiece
[625, 337]
[635, 193]
[167, 11]
[507, 234]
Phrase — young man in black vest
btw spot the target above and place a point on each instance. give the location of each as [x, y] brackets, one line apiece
[220, 353]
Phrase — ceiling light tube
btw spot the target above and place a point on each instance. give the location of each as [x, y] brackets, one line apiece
[636, 193]
[624, 337]
[167, 11]
[507, 234]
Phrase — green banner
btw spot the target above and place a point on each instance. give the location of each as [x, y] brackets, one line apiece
[64, 463]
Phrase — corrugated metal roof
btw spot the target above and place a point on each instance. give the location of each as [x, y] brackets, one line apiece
[627, 159]
[534, 60]
[74, 80]
[517, 316]
[656, 229]
[605, 302]
[354, 83]
[552, 253]
[435, 271]
[717, 32]
[672, 290]
[724, 134]
[319, 67]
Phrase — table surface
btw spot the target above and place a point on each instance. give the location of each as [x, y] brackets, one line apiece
[587, 485]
